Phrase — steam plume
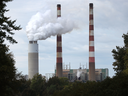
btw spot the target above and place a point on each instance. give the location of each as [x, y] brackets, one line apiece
[43, 25]
[78, 73]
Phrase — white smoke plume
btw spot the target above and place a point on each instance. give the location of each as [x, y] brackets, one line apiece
[78, 73]
[44, 25]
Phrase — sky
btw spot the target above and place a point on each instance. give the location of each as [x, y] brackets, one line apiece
[110, 23]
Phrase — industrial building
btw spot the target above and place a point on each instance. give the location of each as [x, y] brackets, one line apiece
[83, 74]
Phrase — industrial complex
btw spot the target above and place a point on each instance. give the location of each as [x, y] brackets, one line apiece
[82, 74]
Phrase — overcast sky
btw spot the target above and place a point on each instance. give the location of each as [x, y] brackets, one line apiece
[110, 23]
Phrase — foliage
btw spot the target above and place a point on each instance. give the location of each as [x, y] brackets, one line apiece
[57, 81]
[54, 84]
[126, 62]
[24, 85]
[8, 77]
[126, 54]
[37, 84]
[54, 80]
[120, 54]
[78, 89]
[116, 86]
[64, 81]
[29, 92]
[6, 25]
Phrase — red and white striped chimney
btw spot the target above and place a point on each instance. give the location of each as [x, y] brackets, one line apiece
[59, 48]
[91, 45]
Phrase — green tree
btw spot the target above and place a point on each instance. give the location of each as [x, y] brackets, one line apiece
[24, 85]
[116, 86]
[125, 36]
[8, 77]
[6, 25]
[120, 55]
[54, 84]
[8, 81]
[28, 92]
[38, 84]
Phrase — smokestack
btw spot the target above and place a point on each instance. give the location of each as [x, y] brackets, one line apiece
[91, 45]
[59, 48]
[32, 58]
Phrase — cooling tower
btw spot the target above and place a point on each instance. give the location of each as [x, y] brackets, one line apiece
[59, 48]
[91, 45]
[32, 58]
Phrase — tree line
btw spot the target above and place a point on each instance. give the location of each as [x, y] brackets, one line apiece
[13, 83]
[38, 86]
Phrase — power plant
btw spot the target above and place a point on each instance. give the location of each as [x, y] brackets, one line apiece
[82, 74]
[91, 74]
[32, 59]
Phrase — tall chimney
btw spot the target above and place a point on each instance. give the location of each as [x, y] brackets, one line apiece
[59, 48]
[91, 45]
[32, 59]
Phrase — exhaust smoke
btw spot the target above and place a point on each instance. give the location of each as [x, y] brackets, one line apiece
[44, 25]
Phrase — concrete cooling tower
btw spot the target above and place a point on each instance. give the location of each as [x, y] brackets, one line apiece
[32, 59]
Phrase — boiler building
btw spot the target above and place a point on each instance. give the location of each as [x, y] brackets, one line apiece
[83, 74]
